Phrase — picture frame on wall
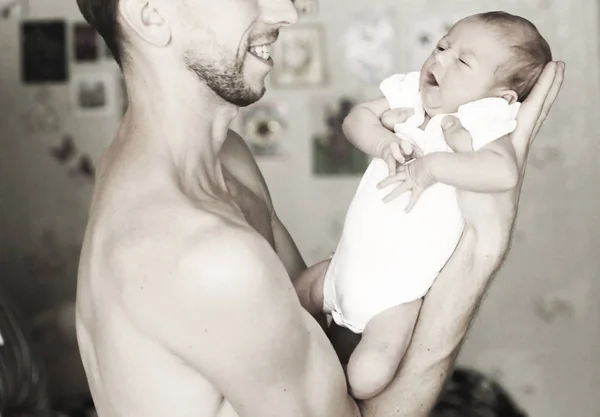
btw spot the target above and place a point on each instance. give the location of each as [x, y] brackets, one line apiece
[93, 93]
[299, 57]
[43, 52]
[85, 42]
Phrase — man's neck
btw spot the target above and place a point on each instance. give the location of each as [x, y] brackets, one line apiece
[185, 119]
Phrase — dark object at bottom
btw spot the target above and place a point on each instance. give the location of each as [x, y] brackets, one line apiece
[469, 393]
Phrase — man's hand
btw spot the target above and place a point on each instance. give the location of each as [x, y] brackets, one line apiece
[414, 177]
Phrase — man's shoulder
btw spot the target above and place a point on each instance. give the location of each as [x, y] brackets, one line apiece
[205, 249]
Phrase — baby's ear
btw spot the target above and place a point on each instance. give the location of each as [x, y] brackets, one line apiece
[509, 95]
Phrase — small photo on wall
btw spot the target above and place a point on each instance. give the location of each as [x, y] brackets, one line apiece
[299, 57]
[43, 52]
[93, 93]
[14, 9]
[85, 40]
[263, 126]
[332, 153]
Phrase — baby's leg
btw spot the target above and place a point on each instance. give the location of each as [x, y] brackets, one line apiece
[384, 341]
[309, 287]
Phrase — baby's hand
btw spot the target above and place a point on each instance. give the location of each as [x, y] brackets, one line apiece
[414, 177]
[398, 151]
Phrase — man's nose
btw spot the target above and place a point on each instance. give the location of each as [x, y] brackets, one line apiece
[279, 12]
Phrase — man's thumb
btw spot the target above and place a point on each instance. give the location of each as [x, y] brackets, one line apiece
[450, 123]
[452, 126]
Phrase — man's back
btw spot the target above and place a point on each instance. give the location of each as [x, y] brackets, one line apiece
[182, 304]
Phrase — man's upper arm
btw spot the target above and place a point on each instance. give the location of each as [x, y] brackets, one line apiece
[285, 246]
[229, 312]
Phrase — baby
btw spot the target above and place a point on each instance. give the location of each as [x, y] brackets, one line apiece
[392, 248]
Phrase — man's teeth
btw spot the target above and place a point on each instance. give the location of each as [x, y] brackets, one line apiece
[261, 51]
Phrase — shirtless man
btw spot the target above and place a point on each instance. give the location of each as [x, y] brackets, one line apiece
[185, 303]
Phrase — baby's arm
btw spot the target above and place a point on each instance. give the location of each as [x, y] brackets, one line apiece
[493, 168]
[364, 129]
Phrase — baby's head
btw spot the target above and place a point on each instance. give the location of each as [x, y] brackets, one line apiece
[492, 54]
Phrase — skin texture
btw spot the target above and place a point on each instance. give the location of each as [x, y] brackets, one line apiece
[186, 303]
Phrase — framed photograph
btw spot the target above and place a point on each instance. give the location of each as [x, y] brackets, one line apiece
[43, 52]
[93, 93]
[332, 153]
[369, 46]
[299, 57]
[85, 39]
[14, 9]
[263, 126]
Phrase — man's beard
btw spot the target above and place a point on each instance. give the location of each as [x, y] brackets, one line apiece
[226, 80]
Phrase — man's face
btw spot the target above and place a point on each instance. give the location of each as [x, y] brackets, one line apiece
[462, 68]
[227, 43]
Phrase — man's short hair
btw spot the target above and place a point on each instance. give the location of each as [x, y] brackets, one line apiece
[102, 15]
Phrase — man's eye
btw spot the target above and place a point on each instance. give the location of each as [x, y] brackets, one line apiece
[440, 48]
[463, 61]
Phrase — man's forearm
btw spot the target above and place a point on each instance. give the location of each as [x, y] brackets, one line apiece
[443, 322]
[482, 172]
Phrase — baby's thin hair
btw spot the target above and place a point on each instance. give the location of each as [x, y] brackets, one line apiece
[530, 54]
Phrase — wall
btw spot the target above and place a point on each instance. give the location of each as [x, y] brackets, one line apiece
[538, 329]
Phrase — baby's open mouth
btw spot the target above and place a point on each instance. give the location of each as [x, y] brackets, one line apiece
[431, 80]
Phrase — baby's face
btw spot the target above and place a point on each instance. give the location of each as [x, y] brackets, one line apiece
[462, 68]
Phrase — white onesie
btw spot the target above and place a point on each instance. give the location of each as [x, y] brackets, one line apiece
[387, 257]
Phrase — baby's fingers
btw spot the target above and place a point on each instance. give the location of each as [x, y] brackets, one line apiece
[391, 164]
[395, 148]
[414, 197]
[401, 189]
[398, 177]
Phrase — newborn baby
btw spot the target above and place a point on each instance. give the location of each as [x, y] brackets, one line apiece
[394, 244]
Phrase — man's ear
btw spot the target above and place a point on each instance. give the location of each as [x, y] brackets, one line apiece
[509, 95]
[146, 20]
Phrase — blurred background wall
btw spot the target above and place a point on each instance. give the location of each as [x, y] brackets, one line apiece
[61, 100]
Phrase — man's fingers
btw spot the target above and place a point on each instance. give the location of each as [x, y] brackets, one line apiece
[398, 191]
[399, 176]
[531, 108]
[394, 116]
[454, 130]
[551, 97]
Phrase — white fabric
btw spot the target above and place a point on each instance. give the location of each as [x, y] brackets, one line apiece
[387, 257]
